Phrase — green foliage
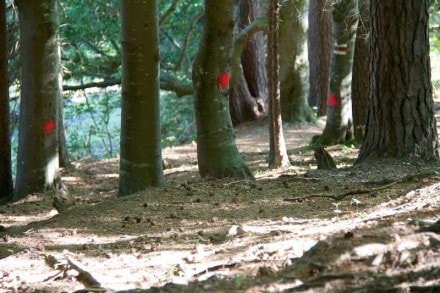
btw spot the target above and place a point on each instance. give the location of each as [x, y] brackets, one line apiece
[91, 51]
[89, 34]
[179, 35]
[93, 124]
[90, 38]
[177, 118]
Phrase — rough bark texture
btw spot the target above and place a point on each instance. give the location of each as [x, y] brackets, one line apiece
[361, 81]
[216, 150]
[294, 75]
[277, 147]
[339, 124]
[5, 143]
[141, 158]
[319, 47]
[401, 121]
[37, 159]
[249, 93]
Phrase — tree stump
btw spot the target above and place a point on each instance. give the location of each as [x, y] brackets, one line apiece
[323, 159]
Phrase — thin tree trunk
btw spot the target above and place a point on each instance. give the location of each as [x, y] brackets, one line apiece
[277, 152]
[63, 152]
[141, 158]
[37, 159]
[319, 46]
[361, 64]
[339, 124]
[217, 153]
[294, 65]
[401, 120]
[5, 143]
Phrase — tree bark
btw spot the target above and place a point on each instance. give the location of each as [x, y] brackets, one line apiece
[5, 142]
[140, 158]
[277, 153]
[294, 65]
[319, 47]
[361, 65]
[248, 100]
[217, 153]
[167, 83]
[339, 124]
[63, 152]
[401, 119]
[37, 159]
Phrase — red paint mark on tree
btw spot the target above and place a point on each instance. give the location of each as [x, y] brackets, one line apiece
[223, 81]
[340, 49]
[49, 127]
[332, 101]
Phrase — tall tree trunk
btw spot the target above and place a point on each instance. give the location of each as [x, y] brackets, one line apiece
[141, 158]
[339, 124]
[361, 64]
[217, 153]
[37, 159]
[294, 75]
[63, 152]
[319, 46]
[277, 152]
[5, 142]
[248, 100]
[401, 119]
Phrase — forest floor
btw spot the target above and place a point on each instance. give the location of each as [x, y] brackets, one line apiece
[361, 228]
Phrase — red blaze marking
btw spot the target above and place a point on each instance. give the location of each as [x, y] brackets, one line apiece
[341, 48]
[49, 127]
[223, 81]
[332, 101]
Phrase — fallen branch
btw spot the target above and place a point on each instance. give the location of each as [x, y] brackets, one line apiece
[85, 277]
[340, 196]
[358, 191]
[167, 83]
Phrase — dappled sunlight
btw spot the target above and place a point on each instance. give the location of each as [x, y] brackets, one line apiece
[296, 135]
[193, 229]
[52, 170]
[121, 261]
[112, 175]
[22, 220]
[67, 237]
[71, 179]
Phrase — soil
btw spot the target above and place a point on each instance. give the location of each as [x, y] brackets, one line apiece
[362, 228]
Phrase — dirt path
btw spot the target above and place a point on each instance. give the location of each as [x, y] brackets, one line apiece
[283, 231]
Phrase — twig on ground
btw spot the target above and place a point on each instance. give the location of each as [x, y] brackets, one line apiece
[357, 191]
[84, 276]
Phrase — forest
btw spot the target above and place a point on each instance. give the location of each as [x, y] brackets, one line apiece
[219, 146]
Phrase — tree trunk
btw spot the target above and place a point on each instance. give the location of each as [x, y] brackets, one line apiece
[319, 46]
[37, 159]
[140, 158]
[294, 67]
[401, 120]
[217, 153]
[5, 142]
[248, 100]
[277, 152]
[339, 124]
[63, 152]
[361, 64]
